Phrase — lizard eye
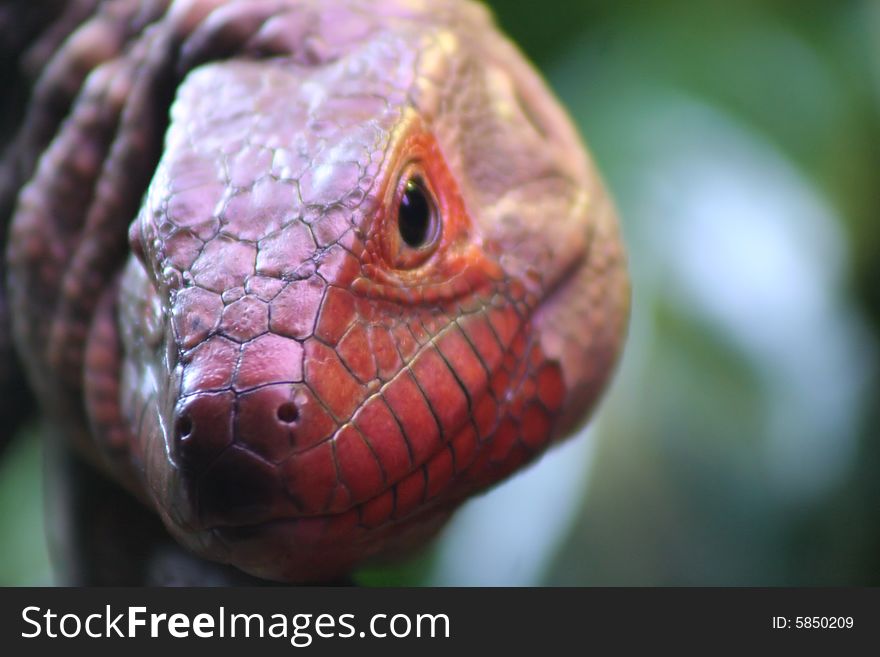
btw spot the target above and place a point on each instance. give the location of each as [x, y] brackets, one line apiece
[418, 223]
[415, 215]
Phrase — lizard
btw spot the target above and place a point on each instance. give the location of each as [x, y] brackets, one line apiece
[304, 276]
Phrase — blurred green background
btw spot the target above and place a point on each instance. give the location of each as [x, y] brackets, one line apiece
[738, 444]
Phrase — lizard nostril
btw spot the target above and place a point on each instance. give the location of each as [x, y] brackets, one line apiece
[184, 427]
[288, 412]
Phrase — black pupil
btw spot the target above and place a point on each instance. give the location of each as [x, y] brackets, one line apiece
[414, 215]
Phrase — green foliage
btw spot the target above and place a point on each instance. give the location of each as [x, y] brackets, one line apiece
[25, 559]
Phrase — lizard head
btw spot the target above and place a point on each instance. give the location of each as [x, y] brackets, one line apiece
[369, 279]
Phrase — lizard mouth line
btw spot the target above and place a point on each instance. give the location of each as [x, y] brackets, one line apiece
[356, 507]
[299, 512]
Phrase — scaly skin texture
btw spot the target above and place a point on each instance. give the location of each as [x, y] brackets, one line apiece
[29, 32]
[259, 355]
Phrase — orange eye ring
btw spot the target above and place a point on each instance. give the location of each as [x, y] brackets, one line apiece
[438, 261]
